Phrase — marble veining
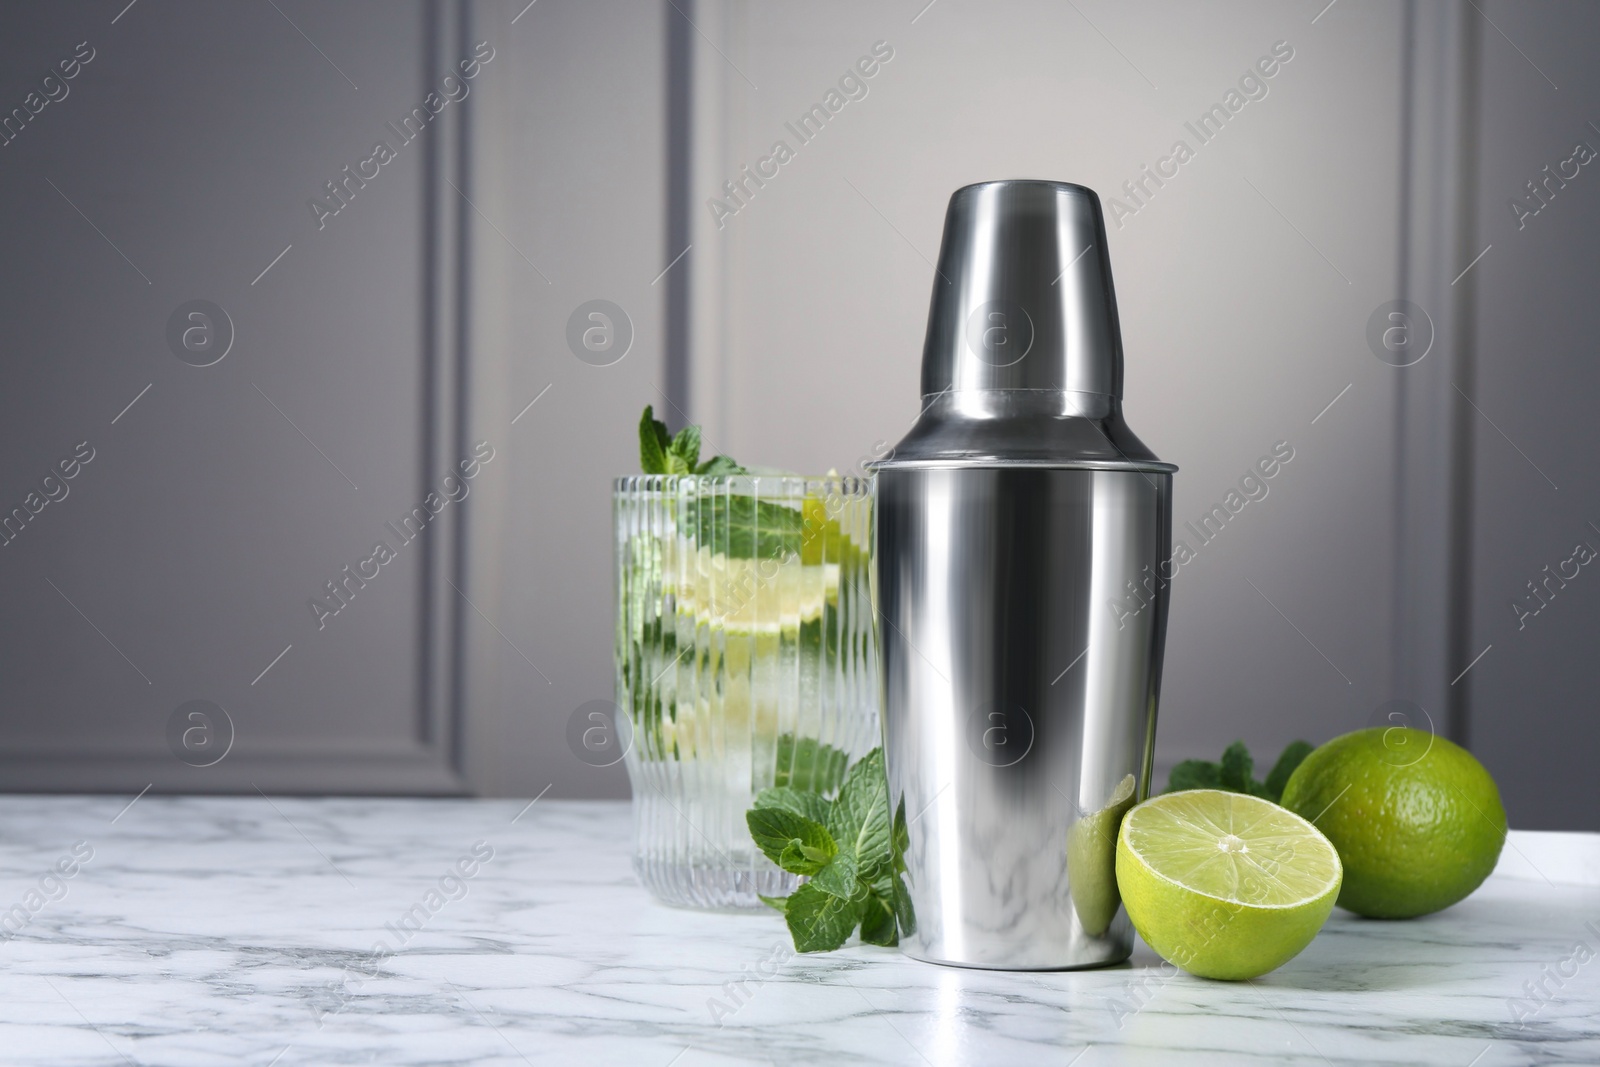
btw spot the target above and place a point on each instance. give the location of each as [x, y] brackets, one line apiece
[284, 931]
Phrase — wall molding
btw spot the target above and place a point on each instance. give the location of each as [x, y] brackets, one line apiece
[1430, 606]
[444, 419]
[428, 760]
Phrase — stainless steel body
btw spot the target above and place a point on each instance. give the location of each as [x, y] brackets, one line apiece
[1022, 541]
[1021, 682]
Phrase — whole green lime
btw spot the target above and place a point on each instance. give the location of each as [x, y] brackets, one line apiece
[1416, 819]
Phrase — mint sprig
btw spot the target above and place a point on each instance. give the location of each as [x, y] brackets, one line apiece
[1233, 772]
[842, 845]
[663, 453]
[795, 842]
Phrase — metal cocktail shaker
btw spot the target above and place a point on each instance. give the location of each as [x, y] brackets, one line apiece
[1022, 537]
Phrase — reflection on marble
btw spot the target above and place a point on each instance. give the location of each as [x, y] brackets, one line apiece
[227, 930]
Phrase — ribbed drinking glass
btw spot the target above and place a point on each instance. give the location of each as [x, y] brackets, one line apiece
[745, 659]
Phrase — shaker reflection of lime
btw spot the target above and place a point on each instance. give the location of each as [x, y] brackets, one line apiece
[1092, 860]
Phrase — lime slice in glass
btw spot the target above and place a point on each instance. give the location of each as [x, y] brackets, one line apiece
[1224, 885]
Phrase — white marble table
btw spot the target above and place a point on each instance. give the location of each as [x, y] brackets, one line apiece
[207, 930]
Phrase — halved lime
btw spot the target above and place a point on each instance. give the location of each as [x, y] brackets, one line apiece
[1225, 885]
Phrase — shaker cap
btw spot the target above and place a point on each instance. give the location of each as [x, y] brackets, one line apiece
[1023, 297]
[1022, 365]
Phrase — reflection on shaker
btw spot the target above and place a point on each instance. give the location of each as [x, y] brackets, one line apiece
[899, 841]
[1092, 860]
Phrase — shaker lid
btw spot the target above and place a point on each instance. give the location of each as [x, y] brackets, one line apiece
[1023, 358]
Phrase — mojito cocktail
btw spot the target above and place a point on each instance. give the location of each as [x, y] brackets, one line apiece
[745, 659]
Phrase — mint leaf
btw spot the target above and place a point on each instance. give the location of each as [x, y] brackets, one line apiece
[809, 765]
[742, 527]
[663, 437]
[662, 453]
[718, 466]
[878, 922]
[777, 904]
[1194, 774]
[859, 821]
[795, 843]
[1279, 777]
[686, 446]
[819, 922]
[813, 806]
[838, 877]
[1234, 772]
[801, 858]
[845, 847]
[1236, 768]
[653, 442]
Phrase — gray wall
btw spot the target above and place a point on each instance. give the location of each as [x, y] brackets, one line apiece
[1244, 284]
[1533, 445]
[429, 313]
[181, 562]
[571, 168]
[1362, 586]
